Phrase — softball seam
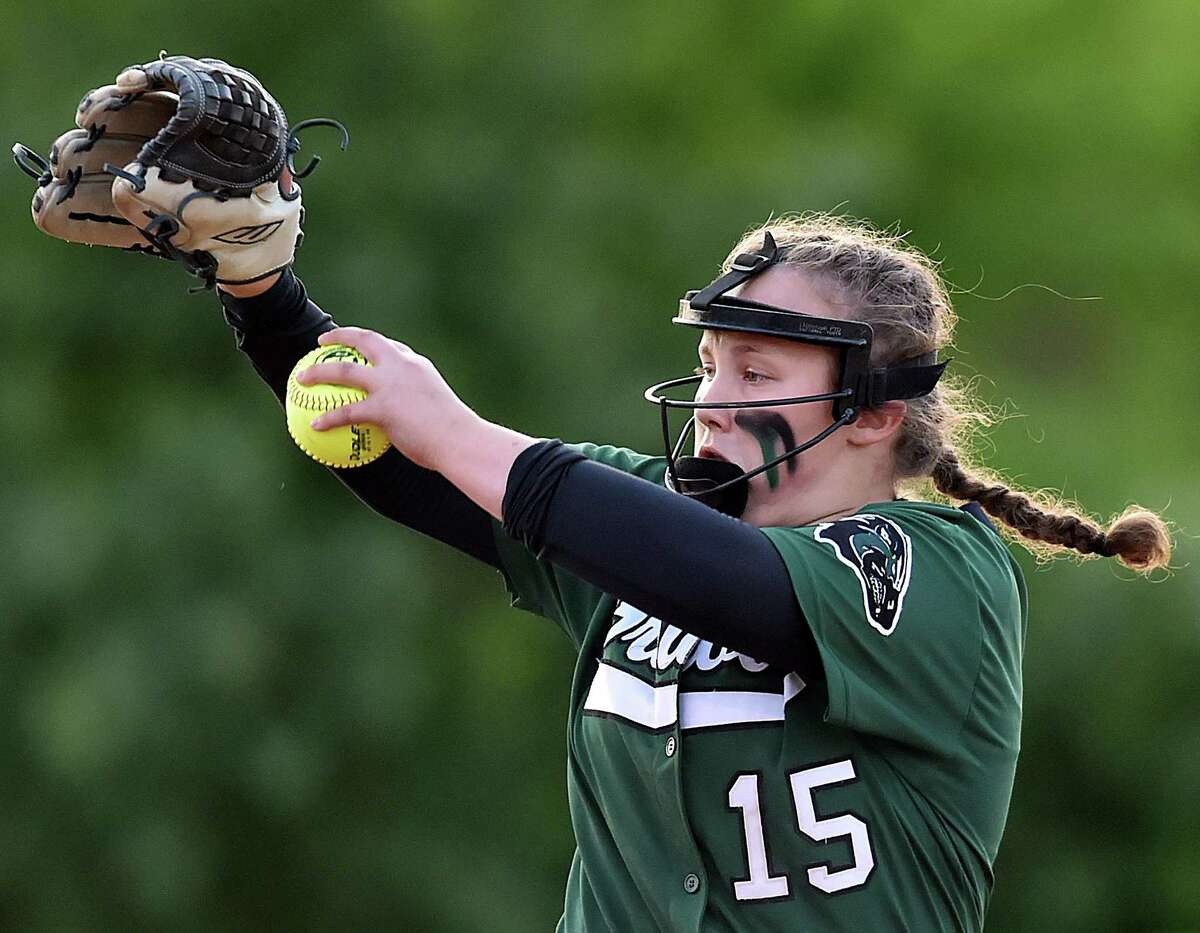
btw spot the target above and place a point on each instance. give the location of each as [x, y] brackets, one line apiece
[302, 397]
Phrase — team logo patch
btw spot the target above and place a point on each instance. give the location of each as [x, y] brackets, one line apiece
[880, 554]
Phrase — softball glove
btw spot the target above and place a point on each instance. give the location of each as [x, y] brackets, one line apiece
[187, 159]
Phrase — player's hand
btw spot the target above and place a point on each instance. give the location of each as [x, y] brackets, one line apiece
[406, 395]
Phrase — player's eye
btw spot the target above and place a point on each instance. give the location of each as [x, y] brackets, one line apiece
[754, 377]
[705, 371]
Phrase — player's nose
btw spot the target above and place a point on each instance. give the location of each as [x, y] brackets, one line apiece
[715, 389]
[714, 420]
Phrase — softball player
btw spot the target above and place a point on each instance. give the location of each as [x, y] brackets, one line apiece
[797, 699]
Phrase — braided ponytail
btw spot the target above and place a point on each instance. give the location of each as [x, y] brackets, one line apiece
[1137, 538]
[898, 291]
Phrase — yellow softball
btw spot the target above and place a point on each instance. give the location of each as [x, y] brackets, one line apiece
[348, 446]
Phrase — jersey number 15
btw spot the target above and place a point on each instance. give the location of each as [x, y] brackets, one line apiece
[762, 885]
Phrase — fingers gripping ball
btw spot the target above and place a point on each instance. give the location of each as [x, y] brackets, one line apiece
[348, 446]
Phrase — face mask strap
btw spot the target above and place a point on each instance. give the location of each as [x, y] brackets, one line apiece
[745, 266]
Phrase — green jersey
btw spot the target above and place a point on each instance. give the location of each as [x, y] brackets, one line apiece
[711, 792]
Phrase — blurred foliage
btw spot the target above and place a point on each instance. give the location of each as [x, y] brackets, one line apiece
[236, 700]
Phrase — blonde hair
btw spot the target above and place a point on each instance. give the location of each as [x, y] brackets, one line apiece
[892, 286]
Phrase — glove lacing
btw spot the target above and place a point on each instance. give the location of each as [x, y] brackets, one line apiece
[293, 143]
[32, 164]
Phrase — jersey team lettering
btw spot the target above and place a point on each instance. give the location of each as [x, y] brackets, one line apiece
[646, 646]
[661, 647]
[880, 554]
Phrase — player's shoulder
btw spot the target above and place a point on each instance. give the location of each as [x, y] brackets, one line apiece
[906, 547]
[625, 460]
[904, 522]
[958, 534]
[928, 520]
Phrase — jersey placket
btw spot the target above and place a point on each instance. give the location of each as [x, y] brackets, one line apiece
[687, 908]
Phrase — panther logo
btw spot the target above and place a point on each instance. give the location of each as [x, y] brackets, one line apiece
[880, 554]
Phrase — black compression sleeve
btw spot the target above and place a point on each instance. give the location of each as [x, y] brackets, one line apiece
[682, 562]
[278, 327]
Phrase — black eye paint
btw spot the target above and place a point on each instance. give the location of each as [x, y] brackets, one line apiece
[769, 428]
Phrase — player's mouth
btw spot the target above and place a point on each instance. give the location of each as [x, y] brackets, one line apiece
[710, 453]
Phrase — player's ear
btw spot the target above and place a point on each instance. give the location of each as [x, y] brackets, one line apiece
[877, 425]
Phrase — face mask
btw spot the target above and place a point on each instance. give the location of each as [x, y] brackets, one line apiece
[725, 486]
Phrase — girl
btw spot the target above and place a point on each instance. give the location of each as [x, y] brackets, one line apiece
[797, 697]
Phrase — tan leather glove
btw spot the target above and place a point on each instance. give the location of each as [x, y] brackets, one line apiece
[188, 159]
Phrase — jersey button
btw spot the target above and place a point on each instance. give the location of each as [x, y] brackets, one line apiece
[670, 749]
[691, 883]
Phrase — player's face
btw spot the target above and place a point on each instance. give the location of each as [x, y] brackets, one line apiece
[749, 366]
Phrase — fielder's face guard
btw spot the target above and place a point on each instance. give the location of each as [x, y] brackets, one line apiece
[722, 485]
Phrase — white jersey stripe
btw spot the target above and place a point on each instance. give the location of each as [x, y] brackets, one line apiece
[618, 693]
[704, 709]
[621, 694]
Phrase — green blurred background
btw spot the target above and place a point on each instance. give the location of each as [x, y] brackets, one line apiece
[234, 699]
